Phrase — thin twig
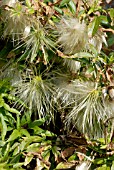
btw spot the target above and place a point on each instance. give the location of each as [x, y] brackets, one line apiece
[108, 30]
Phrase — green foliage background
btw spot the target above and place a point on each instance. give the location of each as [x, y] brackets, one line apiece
[56, 84]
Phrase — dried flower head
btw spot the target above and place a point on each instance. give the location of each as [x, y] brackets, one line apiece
[15, 20]
[72, 35]
[97, 40]
[36, 93]
[89, 109]
[9, 2]
[73, 65]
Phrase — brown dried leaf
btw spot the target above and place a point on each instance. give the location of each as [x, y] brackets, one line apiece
[67, 152]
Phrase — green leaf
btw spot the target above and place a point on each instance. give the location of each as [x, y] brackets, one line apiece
[4, 127]
[64, 165]
[25, 132]
[111, 13]
[55, 151]
[46, 155]
[103, 147]
[38, 130]
[82, 55]
[110, 40]
[104, 19]
[18, 122]
[24, 144]
[16, 144]
[12, 110]
[15, 134]
[91, 10]
[34, 147]
[99, 161]
[72, 158]
[101, 140]
[104, 167]
[37, 123]
[49, 134]
[6, 152]
[89, 70]
[112, 167]
[28, 159]
[34, 139]
[72, 7]
[28, 3]
[16, 151]
[93, 50]
[64, 2]
[1, 101]
[33, 57]
[93, 26]
[16, 159]
[18, 165]
[58, 10]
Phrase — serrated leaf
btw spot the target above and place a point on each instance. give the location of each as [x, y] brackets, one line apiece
[28, 159]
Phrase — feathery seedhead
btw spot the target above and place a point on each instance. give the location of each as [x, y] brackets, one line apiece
[10, 3]
[89, 109]
[72, 35]
[73, 65]
[97, 40]
[36, 93]
[15, 21]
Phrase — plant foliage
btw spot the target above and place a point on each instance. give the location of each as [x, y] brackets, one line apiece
[56, 84]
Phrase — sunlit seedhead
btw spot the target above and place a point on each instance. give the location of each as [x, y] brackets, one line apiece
[72, 35]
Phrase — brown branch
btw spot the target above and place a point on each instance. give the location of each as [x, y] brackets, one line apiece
[108, 30]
